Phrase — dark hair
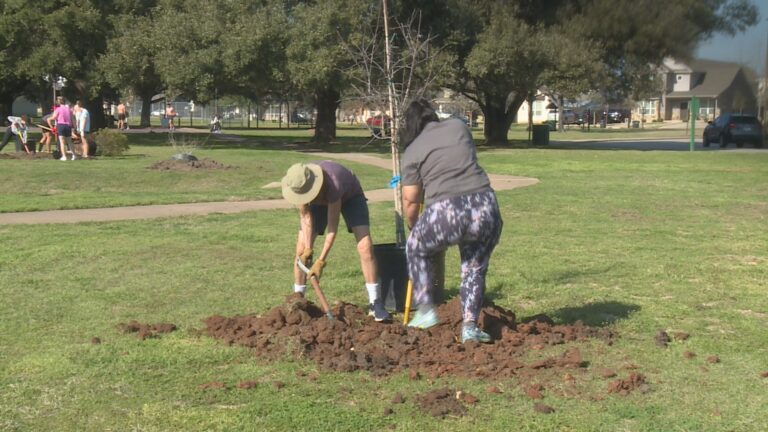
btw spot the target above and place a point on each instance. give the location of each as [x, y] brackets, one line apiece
[418, 114]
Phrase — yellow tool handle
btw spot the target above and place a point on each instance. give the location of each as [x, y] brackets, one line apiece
[408, 294]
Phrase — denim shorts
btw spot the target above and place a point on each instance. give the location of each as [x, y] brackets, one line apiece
[64, 130]
[354, 211]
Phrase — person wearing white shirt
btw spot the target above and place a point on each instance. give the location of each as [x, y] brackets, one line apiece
[83, 126]
[17, 129]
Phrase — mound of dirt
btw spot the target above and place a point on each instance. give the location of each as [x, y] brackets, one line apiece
[353, 341]
[182, 165]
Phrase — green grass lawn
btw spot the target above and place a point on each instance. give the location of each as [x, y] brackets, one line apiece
[127, 180]
[636, 241]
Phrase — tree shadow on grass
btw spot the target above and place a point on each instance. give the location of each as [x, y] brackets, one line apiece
[598, 314]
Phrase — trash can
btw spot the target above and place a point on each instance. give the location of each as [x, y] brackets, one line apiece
[552, 125]
[635, 124]
[540, 134]
[393, 274]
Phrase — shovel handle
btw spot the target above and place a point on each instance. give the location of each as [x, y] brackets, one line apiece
[316, 286]
[320, 295]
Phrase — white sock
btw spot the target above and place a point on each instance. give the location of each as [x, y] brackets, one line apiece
[299, 288]
[373, 291]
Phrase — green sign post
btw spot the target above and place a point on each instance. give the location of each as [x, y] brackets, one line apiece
[694, 110]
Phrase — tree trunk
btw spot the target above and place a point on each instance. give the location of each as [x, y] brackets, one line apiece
[6, 106]
[146, 108]
[96, 110]
[498, 118]
[496, 124]
[327, 100]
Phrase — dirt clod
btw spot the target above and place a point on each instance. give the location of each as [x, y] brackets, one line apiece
[388, 411]
[689, 355]
[534, 391]
[278, 384]
[493, 389]
[441, 403]
[662, 339]
[634, 381]
[469, 398]
[212, 385]
[543, 408]
[96, 340]
[607, 373]
[246, 385]
[713, 359]
[398, 399]
[764, 374]
[681, 336]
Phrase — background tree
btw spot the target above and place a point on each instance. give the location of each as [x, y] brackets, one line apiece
[503, 49]
[317, 60]
[66, 38]
[129, 64]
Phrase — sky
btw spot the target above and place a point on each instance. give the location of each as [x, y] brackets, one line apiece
[748, 48]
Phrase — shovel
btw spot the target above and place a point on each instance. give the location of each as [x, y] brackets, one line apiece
[318, 291]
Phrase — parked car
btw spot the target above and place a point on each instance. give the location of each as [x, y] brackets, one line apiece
[569, 116]
[301, 118]
[733, 128]
[375, 124]
[616, 115]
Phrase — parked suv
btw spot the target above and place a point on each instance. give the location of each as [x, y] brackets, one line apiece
[733, 128]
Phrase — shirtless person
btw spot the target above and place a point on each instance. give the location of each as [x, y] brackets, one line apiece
[170, 115]
[121, 123]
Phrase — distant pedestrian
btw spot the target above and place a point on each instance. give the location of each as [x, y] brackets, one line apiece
[121, 116]
[170, 115]
[83, 126]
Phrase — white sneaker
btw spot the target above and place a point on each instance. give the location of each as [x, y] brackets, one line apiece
[74, 157]
[63, 158]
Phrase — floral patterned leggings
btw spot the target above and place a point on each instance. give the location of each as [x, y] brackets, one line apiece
[473, 222]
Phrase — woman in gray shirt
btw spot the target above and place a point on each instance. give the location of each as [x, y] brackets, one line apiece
[439, 164]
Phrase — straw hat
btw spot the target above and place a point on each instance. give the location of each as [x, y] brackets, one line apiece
[302, 183]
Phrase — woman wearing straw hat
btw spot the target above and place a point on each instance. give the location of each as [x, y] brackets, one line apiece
[324, 191]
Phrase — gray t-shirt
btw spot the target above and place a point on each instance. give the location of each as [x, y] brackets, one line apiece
[443, 160]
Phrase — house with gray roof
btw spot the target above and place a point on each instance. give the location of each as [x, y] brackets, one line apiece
[720, 87]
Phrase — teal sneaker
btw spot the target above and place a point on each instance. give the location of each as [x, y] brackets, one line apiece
[424, 320]
[471, 332]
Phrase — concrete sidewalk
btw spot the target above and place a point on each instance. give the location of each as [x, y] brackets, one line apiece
[498, 182]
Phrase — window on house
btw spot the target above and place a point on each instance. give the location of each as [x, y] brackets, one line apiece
[648, 107]
[538, 108]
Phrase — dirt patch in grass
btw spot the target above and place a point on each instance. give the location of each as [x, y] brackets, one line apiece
[146, 331]
[182, 165]
[353, 341]
[26, 156]
[442, 403]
